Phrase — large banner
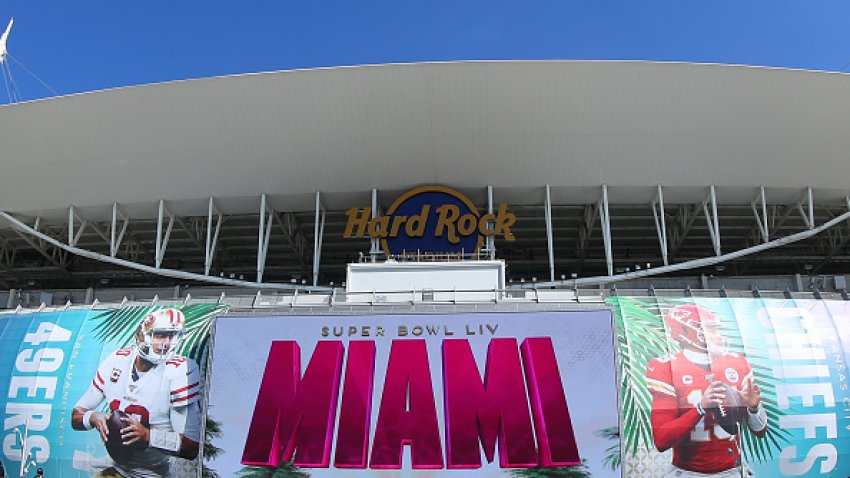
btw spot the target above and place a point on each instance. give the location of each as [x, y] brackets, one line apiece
[510, 394]
[725, 386]
[104, 392]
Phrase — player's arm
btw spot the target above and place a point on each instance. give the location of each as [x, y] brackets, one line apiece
[669, 427]
[756, 415]
[84, 416]
[187, 420]
[670, 423]
[183, 440]
[185, 414]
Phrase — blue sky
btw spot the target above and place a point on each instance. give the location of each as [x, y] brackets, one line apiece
[88, 45]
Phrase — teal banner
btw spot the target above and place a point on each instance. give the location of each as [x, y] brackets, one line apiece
[733, 387]
[94, 392]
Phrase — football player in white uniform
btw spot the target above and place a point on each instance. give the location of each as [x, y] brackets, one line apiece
[157, 391]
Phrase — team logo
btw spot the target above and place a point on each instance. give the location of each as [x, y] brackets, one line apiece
[687, 379]
[116, 374]
[430, 219]
[732, 375]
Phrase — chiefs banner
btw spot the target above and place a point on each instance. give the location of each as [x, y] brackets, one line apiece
[114, 392]
[522, 394]
[733, 387]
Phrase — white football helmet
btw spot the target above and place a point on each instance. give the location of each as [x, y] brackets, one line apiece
[160, 323]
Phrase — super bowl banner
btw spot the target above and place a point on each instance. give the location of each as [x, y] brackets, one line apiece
[496, 394]
[733, 387]
[115, 392]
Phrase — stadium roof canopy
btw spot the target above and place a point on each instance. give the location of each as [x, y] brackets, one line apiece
[515, 126]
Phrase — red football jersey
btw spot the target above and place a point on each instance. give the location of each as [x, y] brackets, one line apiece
[677, 383]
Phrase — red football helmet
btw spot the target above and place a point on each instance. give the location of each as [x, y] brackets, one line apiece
[685, 325]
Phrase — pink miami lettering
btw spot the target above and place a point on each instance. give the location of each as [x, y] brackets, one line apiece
[295, 412]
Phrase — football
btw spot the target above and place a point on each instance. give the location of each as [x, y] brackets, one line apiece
[114, 445]
[731, 412]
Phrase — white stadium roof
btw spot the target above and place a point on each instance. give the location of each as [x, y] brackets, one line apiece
[516, 126]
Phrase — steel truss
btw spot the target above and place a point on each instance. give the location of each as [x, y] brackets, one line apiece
[553, 238]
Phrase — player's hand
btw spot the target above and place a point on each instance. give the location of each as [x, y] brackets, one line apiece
[98, 422]
[134, 432]
[713, 395]
[750, 392]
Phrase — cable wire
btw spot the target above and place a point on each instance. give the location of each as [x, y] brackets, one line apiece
[16, 93]
[34, 75]
[6, 82]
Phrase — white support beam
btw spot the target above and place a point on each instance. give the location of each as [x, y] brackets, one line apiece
[490, 240]
[605, 216]
[73, 218]
[549, 241]
[836, 239]
[266, 216]
[54, 255]
[116, 237]
[660, 223]
[806, 206]
[182, 275]
[212, 236]
[759, 206]
[696, 263]
[162, 239]
[375, 248]
[318, 235]
[711, 219]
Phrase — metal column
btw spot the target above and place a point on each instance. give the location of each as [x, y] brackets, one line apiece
[376, 248]
[162, 242]
[660, 223]
[212, 237]
[761, 218]
[606, 229]
[318, 235]
[263, 237]
[549, 233]
[711, 219]
[491, 240]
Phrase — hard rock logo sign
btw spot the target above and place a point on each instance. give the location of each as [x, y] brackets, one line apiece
[430, 219]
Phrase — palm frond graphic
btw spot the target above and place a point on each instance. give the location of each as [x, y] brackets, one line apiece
[613, 457]
[285, 470]
[641, 337]
[578, 471]
[119, 325]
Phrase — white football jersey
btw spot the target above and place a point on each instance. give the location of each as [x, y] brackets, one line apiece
[149, 398]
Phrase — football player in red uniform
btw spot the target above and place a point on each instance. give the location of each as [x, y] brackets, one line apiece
[689, 389]
[153, 396]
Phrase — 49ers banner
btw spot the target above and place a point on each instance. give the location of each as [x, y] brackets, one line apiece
[114, 392]
[733, 387]
[513, 394]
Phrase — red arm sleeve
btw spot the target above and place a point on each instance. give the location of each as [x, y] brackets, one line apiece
[668, 427]
[670, 424]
